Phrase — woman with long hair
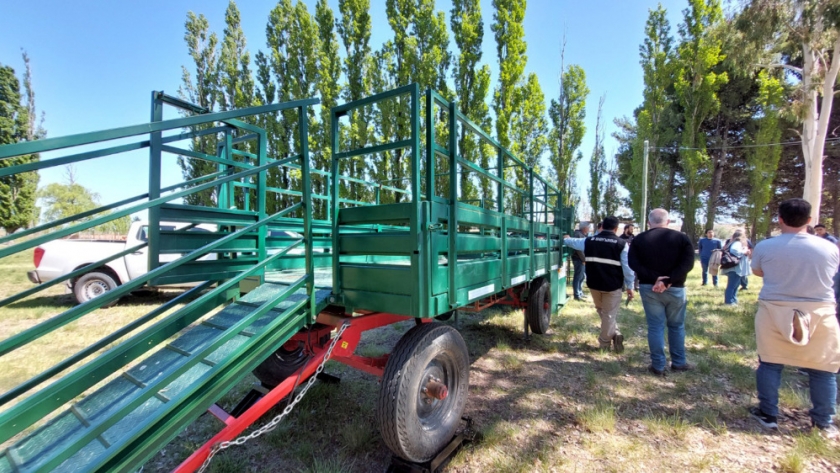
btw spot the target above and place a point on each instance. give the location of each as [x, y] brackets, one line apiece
[737, 246]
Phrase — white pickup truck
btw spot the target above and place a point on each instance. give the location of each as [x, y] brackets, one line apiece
[59, 257]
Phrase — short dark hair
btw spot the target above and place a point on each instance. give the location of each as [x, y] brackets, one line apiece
[795, 212]
[610, 223]
[709, 230]
[819, 225]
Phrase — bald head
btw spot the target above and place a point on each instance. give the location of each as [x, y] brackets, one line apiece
[659, 218]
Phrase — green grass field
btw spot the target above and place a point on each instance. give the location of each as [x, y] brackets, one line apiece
[552, 404]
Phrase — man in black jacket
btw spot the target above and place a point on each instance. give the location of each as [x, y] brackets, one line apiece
[662, 258]
[607, 271]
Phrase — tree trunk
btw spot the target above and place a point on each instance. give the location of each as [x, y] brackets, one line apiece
[815, 123]
[718, 164]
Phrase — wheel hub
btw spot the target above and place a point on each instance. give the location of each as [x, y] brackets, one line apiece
[435, 389]
[95, 288]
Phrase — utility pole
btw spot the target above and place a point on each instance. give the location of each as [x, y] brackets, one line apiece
[644, 187]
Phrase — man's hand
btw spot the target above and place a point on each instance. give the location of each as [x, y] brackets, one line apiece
[630, 296]
[566, 236]
[660, 285]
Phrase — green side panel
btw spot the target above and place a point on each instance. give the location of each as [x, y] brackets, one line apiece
[195, 214]
[389, 279]
[469, 215]
[516, 223]
[382, 302]
[376, 244]
[383, 214]
[479, 291]
[517, 269]
[517, 244]
[467, 243]
[469, 274]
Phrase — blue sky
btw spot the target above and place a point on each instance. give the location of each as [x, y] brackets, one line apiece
[95, 63]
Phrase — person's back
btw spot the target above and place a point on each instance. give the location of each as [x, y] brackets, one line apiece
[797, 267]
[662, 252]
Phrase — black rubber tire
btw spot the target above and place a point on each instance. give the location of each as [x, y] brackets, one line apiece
[93, 284]
[413, 426]
[539, 306]
[279, 366]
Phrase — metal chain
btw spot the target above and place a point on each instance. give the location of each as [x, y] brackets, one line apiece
[276, 421]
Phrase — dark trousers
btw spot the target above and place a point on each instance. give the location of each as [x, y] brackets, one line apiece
[579, 276]
[704, 264]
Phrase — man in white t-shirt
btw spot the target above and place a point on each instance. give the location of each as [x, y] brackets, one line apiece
[795, 323]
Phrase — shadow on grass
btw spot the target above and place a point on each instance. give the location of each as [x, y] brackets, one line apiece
[139, 298]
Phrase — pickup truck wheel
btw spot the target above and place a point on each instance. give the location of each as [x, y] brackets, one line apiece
[92, 285]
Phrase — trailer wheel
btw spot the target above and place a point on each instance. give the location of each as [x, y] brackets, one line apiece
[279, 366]
[423, 392]
[92, 285]
[539, 306]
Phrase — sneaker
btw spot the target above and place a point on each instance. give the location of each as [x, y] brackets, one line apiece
[685, 367]
[703, 284]
[656, 372]
[618, 343]
[829, 431]
[768, 422]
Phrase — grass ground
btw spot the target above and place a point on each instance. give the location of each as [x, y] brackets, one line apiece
[552, 404]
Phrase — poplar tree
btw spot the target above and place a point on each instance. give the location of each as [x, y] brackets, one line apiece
[472, 84]
[529, 129]
[763, 160]
[329, 90]
[509, 32]
[656, 56]
[696, 85]
[17, 123]
[354, 29]
[597, 167]
[567, 115]
[236, 82]
[202, 91]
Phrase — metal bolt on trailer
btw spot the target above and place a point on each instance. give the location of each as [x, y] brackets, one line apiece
[414, 249]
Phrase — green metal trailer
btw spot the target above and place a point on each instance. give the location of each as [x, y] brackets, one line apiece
[416, 249]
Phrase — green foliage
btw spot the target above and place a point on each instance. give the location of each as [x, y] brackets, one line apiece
[696, 85]
[354, 29]
[529, 129]
[567, 115]
[329, 89]
[472, 84]
[657, 59]
[509, 32]
[17, 123]
[762, 161]
[202, 91]
[66, 200]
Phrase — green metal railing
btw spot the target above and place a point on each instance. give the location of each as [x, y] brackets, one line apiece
[202, 298]
[500, 231]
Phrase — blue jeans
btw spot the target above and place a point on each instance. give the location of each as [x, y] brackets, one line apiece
[837, 287]
[744, 281]
[823, 387]
[661, 310]
[704, 263]
[577, 279]
[732, 285]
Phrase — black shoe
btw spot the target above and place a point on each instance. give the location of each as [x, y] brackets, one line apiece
[828, 431]
[768, 422]
[685, 367]
[703, 284]
[618, 343]
[656, 372]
